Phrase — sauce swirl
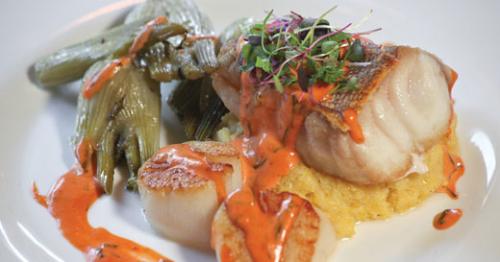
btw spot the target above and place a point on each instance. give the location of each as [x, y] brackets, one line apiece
[69, 201]
[447, 218]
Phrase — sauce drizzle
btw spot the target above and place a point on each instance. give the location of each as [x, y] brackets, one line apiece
[453, 169]
[225, 254]
[447, 218]
[355, 131]
[320, 92]
[97, 82]
[68, 202]
[145, 34]
[271, 122]
[41, 199]
[181, 156]
[453, 79]
[190, 39]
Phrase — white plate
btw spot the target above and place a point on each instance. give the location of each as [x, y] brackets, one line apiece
[36, 127]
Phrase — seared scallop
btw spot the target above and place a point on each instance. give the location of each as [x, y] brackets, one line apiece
[182, 186]
[311, 237]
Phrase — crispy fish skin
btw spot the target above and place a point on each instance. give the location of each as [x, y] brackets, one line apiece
[381, 61]
[403, 106]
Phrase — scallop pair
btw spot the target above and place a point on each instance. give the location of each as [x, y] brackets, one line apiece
[183, 187]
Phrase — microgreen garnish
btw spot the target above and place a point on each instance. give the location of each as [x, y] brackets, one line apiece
[293, 50]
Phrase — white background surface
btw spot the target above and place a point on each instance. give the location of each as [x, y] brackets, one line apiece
[35, 127]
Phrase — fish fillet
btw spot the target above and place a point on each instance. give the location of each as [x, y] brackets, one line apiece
[403, 106]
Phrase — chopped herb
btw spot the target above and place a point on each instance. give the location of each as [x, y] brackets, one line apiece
[246, 51]
[264, 64]
[329, 74]
[277, 84]
[328, 46]
[348, 85]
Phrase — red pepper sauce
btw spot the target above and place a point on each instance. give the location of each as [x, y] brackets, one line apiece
[453, 170]
[271, 122]
[225, 254]
[69, 201]
[193, 38]
[145, 34]
[447, 218]
[97, 82]
[453, 79]
[320, 92]
[183, 157]
[355, 131]
[41, 199]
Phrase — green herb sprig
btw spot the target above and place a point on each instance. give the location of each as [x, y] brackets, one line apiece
[293, 50]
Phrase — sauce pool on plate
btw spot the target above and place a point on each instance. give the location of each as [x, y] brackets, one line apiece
[447, 218]
[69, 201]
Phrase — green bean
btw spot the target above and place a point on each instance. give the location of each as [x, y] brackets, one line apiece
[126, 109]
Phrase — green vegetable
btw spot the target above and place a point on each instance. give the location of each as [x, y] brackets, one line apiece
[123, 119]
[198, 107]
[166, 63]
[210, 118]
[187, 13]
[70, 63]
